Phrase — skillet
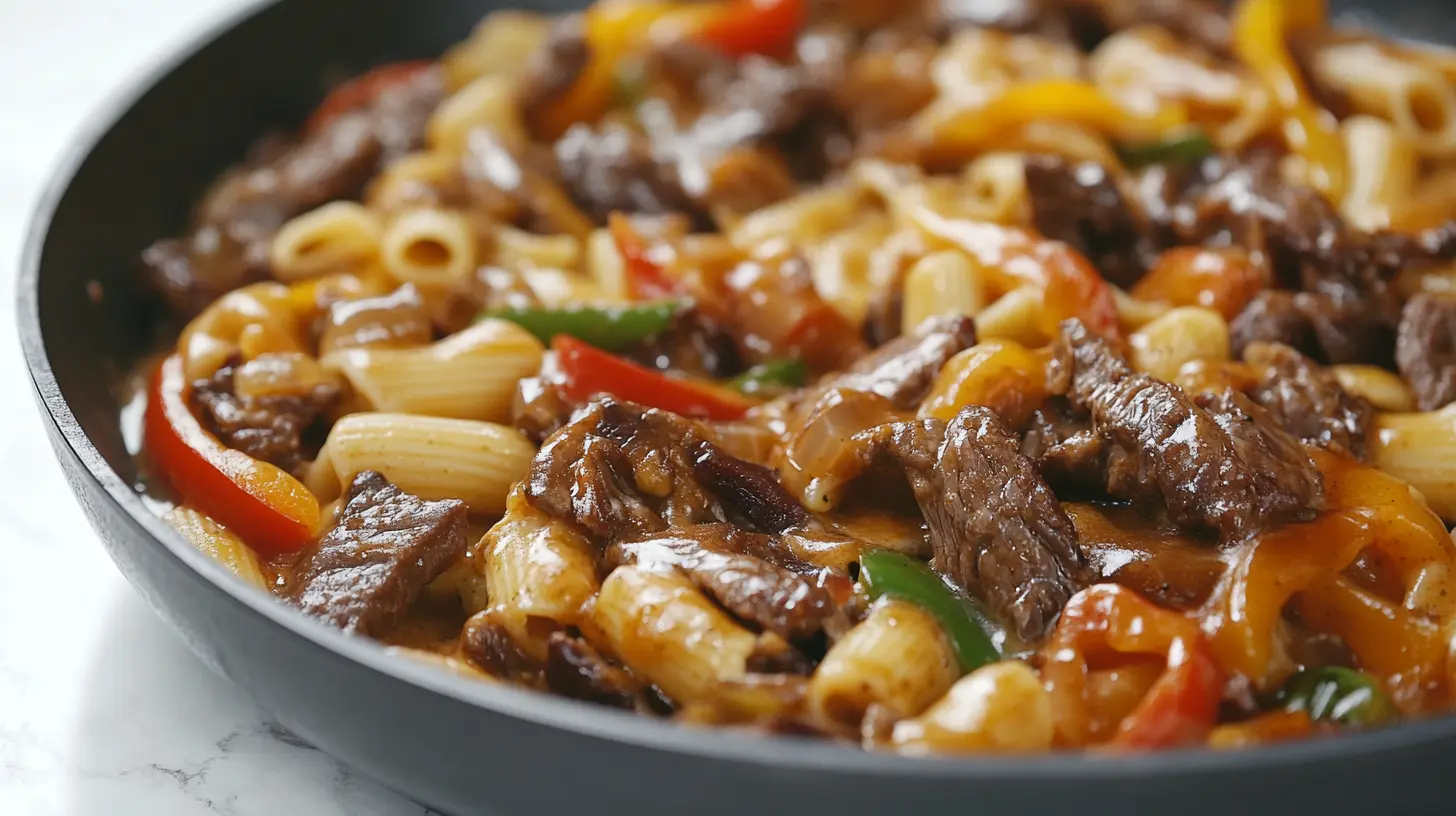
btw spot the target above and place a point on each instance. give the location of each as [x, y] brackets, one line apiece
[467, 747]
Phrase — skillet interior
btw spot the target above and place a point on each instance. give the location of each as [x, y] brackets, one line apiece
[456, 746]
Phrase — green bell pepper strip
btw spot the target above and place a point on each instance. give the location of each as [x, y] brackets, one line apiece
[611, 328]
[886, 573]
[772, 378]
[1184, 148]
[1338, 695]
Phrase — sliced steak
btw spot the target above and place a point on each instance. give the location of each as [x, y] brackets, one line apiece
[554, 67]
[1229, 468]
[1065, 448]
[1272, 317]
[995, 526]
[366, 572]
[1426, 349]
[718, 559]
[903, 369]
[269, 427]
[609, 167]
[1079, 203]
[574, 669]
[1307, 401]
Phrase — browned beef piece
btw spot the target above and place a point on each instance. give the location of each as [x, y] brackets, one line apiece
[903, 369]
[396, 320]
[1426, 349]
[720, 559]
[228, 243]
[1079, 203]
[1272, 317]
[693, 344]
[269, 428]
[619, 469]
[995, 526]
[366, 572]
[575, 669]
[1307, 401]
[1228, 468]
[1065, 448]
[554, 67]
[518, 186]
[610, 167]
[488, 645]
[540, 408]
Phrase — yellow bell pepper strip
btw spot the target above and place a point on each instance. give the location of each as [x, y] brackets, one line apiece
[613, 28]
[1260, 31]
[979, 129]
[266, 507]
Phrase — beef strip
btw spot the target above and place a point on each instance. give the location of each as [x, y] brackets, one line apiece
[232, 226]
[554, 67]
[1273, 317]
[1065, 448]
[995, 526]
[610, 167]
[1426, 349]
[270, 427]
[575, 669]
[1079, 203]
[487, 644]
[619, 469]
[1225, 466]
[903, 369]
[1307, 401]
[540, 408]
[367, 571]
[693, 344]
[718, 559]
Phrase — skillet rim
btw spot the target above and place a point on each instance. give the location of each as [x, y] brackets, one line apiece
[775, 752]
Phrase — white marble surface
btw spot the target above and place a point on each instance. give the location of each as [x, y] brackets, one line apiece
[102, 710]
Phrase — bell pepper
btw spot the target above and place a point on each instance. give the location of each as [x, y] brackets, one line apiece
[885, 573]
[1107, 620]
[588, 371]
[1260, 31]
[772, 378]
[362, 90]
[1068, 283]
[976, 130]
[265, 506]
[1336, 694]
[613, 29]
[1265, 729]
[646, 279]
[1224, 280]
[1178, 149]
[742, 27]
[610, 328]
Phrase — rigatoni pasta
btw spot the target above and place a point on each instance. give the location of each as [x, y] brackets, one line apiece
[429, 247]
[333, 238]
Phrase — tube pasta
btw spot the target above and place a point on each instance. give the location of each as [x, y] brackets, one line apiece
[996, 187]
[1420, 448]
[429, 248]
[1015, 316]
[412, 181]
[250, 321]
[487, 102]
[471, 374]
[1382, 171]
[217, 541]
[433, 457]
[670, 634]
[801, 219]
[517, 249]
[946, 282]
[898, 657]
[539, 575]
[1000, 708]
[604, 265]
[332, 238]
[1181, 336]
[1385, 390]
[1414, 96]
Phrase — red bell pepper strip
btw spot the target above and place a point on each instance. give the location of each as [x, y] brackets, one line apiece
[744, 27]
[589, 371]
[1107, 621]
[646, 279]
[265, 506]
[362, 90]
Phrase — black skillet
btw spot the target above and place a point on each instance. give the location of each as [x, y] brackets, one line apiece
[468, 747]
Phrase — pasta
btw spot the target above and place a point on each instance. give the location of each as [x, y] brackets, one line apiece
[432, 457]
[869, 371]
[332, 238]
[469, 375]
[429, 248]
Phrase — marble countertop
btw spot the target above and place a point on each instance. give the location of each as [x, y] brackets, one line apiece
[102, 709]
